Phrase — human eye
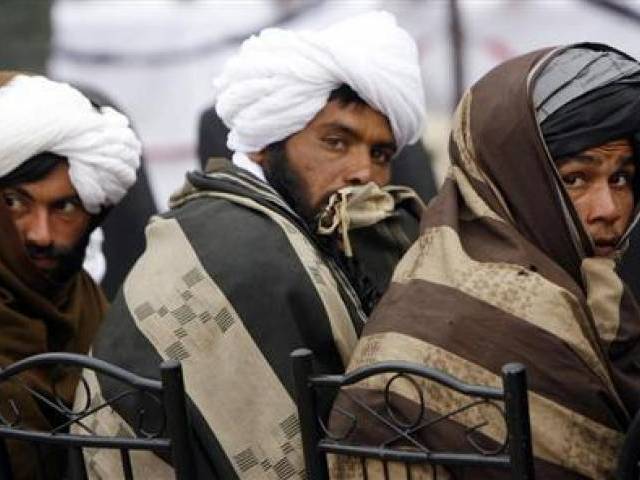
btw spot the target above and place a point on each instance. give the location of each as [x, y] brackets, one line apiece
[621, 179]
[335, 142]
[14, 201]
[381, 156]
[67, 206]
[573, 180]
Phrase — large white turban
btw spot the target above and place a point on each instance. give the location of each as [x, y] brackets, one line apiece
[281, 79]
[40, 115]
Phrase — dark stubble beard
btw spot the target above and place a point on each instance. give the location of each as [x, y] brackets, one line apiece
[292, 188]
[285, 181]
[69, 259]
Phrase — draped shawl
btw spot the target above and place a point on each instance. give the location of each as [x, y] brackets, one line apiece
[230, 283]
[499, 274]
[38, 316]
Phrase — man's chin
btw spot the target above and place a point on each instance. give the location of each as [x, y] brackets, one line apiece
[54, 271]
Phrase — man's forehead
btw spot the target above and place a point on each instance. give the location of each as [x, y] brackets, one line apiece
[55, 185]
[35, 168]
[621, 151]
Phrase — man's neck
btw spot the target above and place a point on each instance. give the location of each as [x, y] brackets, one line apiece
[241, 160]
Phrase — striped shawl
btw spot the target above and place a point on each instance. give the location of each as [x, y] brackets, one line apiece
[497, 276]
[230, 283]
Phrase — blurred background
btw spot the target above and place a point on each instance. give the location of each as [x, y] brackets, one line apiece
[156, 59]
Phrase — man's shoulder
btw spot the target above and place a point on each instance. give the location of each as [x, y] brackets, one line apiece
[210, 216]
[225, 236]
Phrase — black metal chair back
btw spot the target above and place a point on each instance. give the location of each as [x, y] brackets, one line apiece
[629, 457]
[171, 438]
[515, 454]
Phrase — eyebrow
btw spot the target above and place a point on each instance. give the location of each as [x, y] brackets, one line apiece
[391, 145]
[21, 191]
[66, 198]
[589, 159]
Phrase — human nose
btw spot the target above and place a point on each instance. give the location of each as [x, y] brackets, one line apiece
[38, 228]
[360, 169]
[603, 205]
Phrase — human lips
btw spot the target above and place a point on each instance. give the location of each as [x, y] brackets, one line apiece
[605, 247]
[44, 262]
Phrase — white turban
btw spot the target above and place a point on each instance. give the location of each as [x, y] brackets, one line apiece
[281, 79]
[40, 115]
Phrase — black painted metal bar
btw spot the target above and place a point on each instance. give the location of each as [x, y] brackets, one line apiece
[68, 440]
[629, 455]
[394, 455]
[314, 460]
[514, 379]
[40, 465]
[5, 464]
[76, 468]
[125, 459]
[175, 405]
[411, 368]
[363, 463]
[84, 361]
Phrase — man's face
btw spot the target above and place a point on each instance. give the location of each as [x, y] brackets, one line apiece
[600, 184]
[50, 220]
[345, 144]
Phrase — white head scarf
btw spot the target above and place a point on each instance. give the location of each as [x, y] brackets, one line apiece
[281, 79]
[40, 115]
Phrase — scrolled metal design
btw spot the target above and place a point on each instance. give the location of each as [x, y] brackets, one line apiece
[349, 431]
[79, 415]
[389, 404]
[62, 404]
[408, 433]
[17, 421]
[471, 431]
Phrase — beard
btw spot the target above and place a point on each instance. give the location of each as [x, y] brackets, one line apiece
[68, 259]
[292, 188]
[288, 183]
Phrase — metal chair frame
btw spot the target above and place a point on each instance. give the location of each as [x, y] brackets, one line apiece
[173, 437]
[515, 454]
[629, 457]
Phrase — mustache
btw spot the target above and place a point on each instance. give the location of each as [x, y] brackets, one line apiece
[52, 252]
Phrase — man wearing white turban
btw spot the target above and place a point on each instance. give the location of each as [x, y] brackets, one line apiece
[267, 254]
[63, 164]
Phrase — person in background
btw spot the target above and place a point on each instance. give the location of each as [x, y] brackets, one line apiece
[517, 262]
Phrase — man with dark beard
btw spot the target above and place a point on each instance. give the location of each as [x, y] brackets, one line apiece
[63, 164]
[48, 215]
[262, 256]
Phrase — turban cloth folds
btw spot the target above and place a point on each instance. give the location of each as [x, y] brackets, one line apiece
[585, 97]
[281, 79]
[40, 115]
[606, 114]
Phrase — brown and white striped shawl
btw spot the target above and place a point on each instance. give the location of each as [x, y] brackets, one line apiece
[497, 276]
[230, 283]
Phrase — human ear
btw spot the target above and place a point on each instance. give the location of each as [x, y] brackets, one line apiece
[259, 157]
